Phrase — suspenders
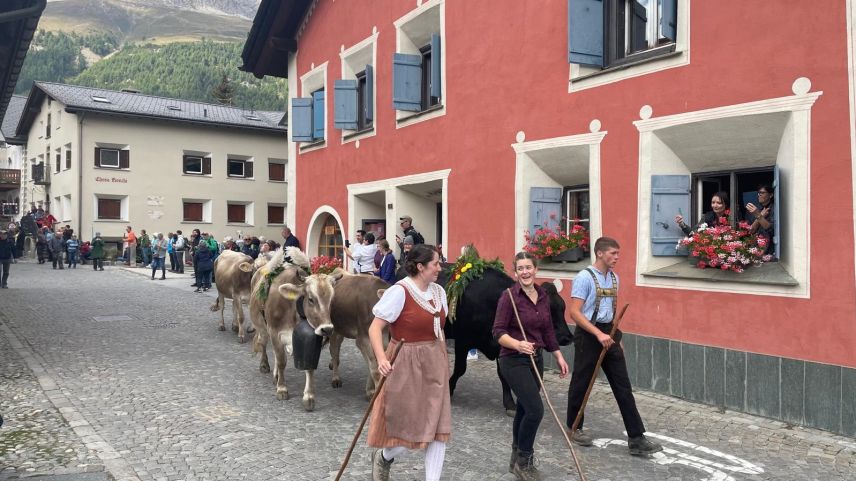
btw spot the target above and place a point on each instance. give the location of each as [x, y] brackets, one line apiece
[600, 293]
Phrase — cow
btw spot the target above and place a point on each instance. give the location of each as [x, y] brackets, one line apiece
[285, 279]
[234, 274]
[351, 313]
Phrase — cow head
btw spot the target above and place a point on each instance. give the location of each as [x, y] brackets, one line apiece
[317, 295]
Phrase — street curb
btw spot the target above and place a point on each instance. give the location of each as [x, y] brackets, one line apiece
[117, 468]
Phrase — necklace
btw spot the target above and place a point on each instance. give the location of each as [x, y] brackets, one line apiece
[424, 304]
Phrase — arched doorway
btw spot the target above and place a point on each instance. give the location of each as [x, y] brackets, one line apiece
[330, 239]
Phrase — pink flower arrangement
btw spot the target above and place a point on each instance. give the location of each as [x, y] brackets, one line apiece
[548, 242]
[725, 247]
[324, 264]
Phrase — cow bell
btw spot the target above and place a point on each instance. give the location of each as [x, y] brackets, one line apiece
[306, 346]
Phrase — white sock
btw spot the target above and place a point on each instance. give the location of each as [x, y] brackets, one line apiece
[435, 454]
[391, 453]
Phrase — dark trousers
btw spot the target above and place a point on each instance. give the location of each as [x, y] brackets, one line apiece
[57, 259]
[586, 351]
[97, 264]
[179, 262]
[4, 265]
[41, 251]
[171, 261]
[517, 370]
[203, 278]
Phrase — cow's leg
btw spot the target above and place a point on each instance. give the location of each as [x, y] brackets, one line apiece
[365, 347]
[219, 305]
[238, 320]
[461, 350]
[281, 359]
[309, 391]
[335, 348]
[507, 399]
[260, 345]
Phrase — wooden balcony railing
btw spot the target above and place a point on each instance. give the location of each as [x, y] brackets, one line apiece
[10, 177]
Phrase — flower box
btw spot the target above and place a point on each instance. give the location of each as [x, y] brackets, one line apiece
[555, 243]
[570, 255]
[725, 247]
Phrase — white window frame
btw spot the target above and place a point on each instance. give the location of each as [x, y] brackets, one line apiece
[66, 208]
[206, 210]
[192, 172]
[313, 80]
[284, 164]
[124, 207]
[248, 212]
[354, 59]
[794, 161]
[529, 173]
[284, 214]
[583, 77]
[108, 166]
[405, 44]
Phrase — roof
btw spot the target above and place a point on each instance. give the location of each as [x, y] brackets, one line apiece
[12, 117]
[18, 22]
[129, 104]
[273, 36]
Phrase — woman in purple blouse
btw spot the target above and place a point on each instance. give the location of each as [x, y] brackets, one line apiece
[533, 305]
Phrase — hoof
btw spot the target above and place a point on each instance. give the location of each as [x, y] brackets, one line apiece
[221, 328]
[330, 366]
[240, 339]
[511, 412]
[336, 383]
[264, 369]
[282, 395]
[234, 328]
[309, 404]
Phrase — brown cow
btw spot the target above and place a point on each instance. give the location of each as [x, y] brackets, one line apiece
[276, 316]
[351, 313]
[234, 274]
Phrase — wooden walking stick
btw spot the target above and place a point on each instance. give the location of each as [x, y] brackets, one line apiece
[368, 411]
[546, 396]
[596, 367]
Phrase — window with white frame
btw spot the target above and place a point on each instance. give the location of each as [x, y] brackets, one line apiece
[111, 156]
[196, 210]
[239, 212]
[196, 163]
[418, 63]
[307, 122]
[353, 95]
[755, 153]
[66, 208]
[111, 207]
[239, 167]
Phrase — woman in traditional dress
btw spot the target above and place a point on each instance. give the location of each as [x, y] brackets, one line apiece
[413, 411]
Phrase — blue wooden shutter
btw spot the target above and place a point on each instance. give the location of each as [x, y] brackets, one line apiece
[670, 195]
[669, 20]
[407, 82]
[544, 202]
[318, 114]
[369, 92]
[300, 122]
[585, 32]
[777, 209]
[638, 27]
[435, 65]
[345, 104]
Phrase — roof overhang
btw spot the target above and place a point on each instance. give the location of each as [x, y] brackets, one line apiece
[273, 37]
[18, 22]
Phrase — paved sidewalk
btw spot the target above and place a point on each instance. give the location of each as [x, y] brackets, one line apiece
[111, 371]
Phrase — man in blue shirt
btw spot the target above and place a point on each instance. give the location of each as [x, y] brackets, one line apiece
[7, 255]
[593, 305]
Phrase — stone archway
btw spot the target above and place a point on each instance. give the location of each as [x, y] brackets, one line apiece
[325, 234]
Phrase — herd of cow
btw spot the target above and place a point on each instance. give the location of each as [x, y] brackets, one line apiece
[280, 291]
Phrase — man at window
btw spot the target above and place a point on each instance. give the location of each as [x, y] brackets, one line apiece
[764, 217]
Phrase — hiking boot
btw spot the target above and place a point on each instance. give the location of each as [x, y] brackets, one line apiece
[380, 466]
[641, 446]
[513, 458]
[581, 438]
[524, 468]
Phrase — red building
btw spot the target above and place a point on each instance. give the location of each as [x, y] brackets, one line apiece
[479, 119]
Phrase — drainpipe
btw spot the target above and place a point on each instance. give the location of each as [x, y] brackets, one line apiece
[81, 116]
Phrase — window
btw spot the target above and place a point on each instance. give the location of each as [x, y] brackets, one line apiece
[196, 165]
[236, 213]
[330, 243]
[58, 163]
[308, 113]
[276, 214]
[240, 168]
[575, 207]
[112, 158]
[607, 33]
[276, 171]
[68, 158]
[109, 209]
[354, 99]
[66, 208]
[418, 66]
[192, 212]
[48, 127]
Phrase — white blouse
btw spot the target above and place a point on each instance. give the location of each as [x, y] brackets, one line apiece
[389, 306]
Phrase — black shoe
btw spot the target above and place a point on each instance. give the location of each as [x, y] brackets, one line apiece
[205, 289]
[163, 278]
[197, 290]
[641, 446]
[4, 286]
[194, 285]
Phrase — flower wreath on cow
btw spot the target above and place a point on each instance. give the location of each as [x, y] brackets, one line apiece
[270, 273]
[468, 267]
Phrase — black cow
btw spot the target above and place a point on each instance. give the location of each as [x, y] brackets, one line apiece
[473, 324]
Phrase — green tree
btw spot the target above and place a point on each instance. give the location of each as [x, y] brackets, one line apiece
[224, 92]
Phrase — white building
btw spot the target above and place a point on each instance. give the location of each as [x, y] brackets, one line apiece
[101, 160]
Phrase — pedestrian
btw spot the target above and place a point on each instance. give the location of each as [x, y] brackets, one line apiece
[363, 254]
[290, 239]
[594, 299]
[413, 411]
[20, 237]
[195, 240]
[170, 250]
[56, 247]
[67, 231]
[159, 255]
[97, 253]
[85, 252]
[406, 247]
[386, 270]
[532, 303]
[41, 244]
[7, 254]
[178, 248]
[72, 247]
[131, 238]
[145, 247]
[204, 268]
[49, 234]
[406, 223]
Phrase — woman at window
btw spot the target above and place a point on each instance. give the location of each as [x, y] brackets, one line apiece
[718, 215]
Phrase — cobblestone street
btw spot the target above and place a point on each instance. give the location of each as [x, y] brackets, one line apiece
[112, 375]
